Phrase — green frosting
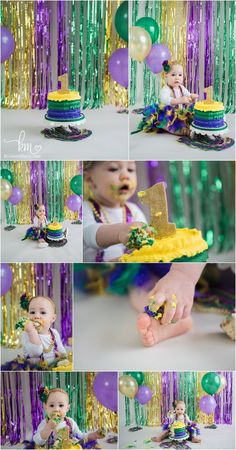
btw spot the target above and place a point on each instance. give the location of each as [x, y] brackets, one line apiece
[200, 257]
[209, 114]
[64, 105]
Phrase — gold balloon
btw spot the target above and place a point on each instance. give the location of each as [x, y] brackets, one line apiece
[140, 43]
[222, 384]
[6, 189]
[128, 386]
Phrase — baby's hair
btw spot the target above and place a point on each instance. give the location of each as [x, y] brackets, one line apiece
[167, 65]
[58, 390]
[26, 299]
[44, 393]
[88, 165]
[176, 402]
[37, 206]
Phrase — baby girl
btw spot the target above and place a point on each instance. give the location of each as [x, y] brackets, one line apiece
[40, 219]
[56, 424]
[41, 342]
[179, 415]
[175, 111]
[108, 216]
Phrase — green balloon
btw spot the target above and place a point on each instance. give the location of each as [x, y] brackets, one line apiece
[121, 21]
[210, 382]
[150, 26]
[76, 184]
[139, 377]
[7, 175]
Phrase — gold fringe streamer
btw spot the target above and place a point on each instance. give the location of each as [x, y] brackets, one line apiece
[174, 14]
[22, 281]
[153, 411]
[21, 171]
[71, 168]
[19, 17]
[114, 93]
[97, 416]
[202, 417]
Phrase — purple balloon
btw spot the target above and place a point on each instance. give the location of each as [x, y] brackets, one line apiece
[6, 278]
[105, 389]
[158, 54]
[7, 44]
[16, 196]
[73, 202]
[144, 394]
[207, 404]
[118, 66]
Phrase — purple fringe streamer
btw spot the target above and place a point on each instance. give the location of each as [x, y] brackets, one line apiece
[62, 38]
[66, 302]
[38, 175]
[42, 55]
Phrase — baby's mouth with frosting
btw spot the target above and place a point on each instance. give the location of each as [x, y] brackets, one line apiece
[38, 323]
[56, 416]
[123, 189]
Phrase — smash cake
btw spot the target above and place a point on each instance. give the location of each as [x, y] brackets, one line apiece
[209, 116]
[55, 232]
[179, 431]
[170, 244]
[64, 104]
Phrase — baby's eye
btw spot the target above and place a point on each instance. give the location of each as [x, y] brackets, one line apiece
[112, 169]
[51, 405]
[61, 405]
[32, 312]
[130, 170]
[43, 312]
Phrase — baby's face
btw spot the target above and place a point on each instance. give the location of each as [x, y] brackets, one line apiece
[57, 405]
[175, 76]
[41, 309]
[113, 182]
[41, 212]
[180, 408]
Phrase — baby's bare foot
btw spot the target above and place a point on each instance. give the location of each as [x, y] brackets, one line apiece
[151, 331]
[196, 440]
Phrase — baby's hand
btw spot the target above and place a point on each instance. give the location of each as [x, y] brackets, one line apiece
[185, 100]
[29, 327]
[125, 230]
[194, 97]
[96, 435]
[177, 290]
[52, 425]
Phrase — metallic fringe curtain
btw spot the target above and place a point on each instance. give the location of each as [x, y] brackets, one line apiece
[22, 410]
[53, 280]
[56, 37]
[169, 386]
[200, 35]
[200, 195]
[46, 182]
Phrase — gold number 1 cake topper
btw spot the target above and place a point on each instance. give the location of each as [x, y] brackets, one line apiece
[209, 94]
[155, 198]
[64, 83]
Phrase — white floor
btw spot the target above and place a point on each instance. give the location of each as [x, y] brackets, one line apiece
[165, 147]
[102, 443]
[105, 338]
[109, 139]
[15, 250]
[223, 437]
[8, 354]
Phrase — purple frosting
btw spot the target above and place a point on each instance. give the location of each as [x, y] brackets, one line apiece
[218, 123]
[57, 114]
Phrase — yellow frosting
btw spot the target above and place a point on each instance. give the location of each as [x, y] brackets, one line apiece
[177, 424]
[185, 242]
[205, 106]
[55, 226]
[62, 96]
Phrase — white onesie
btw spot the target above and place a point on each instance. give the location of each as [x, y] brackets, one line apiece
[75, 430]
[34, 351]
